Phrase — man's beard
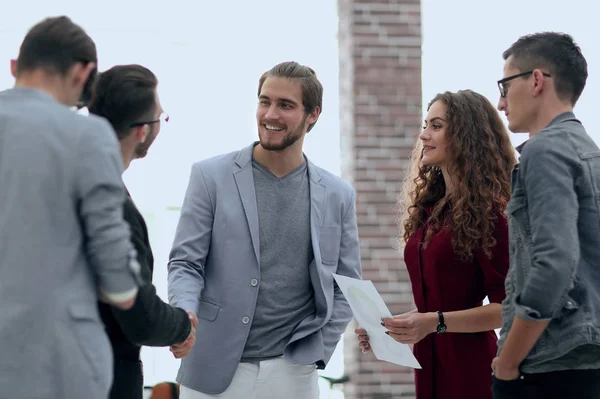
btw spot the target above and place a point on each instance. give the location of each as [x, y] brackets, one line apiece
[289, 139]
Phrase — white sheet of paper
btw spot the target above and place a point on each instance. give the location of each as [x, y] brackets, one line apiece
[368, 308]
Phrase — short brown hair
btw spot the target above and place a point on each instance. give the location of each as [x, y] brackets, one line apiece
[124, 94]
[55, 44]
[559, 54]
[312, 90]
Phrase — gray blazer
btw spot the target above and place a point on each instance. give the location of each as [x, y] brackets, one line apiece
[62, 236]
[214, 261]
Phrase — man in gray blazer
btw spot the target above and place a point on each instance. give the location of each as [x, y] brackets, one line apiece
[261, 232]
[63, 240]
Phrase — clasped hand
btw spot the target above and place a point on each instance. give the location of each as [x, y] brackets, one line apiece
[183, 349]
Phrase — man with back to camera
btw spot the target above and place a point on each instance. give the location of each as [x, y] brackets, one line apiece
[260, 234]
[127, 96]
[63, 240]
[549, 344]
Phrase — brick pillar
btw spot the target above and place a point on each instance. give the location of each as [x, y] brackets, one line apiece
[380, 101]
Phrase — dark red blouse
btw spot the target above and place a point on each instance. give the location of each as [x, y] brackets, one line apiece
[455, 365]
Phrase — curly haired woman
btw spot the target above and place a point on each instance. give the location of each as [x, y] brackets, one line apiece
[456, 246]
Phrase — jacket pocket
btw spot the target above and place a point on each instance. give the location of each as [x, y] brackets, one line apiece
[329, 244]
[207, 310]
[88, 333]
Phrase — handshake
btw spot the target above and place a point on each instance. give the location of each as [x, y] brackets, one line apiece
[183, 349]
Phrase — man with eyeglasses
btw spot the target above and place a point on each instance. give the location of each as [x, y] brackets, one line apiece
[126, 95]
[63, 241]
[549, 345]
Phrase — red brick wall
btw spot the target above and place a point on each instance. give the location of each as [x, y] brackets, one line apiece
[380, 98]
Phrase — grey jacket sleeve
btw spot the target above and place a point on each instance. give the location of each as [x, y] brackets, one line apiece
[187, 259]
[101, 195]
[549, 169]
[349, 266]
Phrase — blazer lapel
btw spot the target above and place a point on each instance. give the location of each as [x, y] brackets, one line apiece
[318, 196]
[244, 180]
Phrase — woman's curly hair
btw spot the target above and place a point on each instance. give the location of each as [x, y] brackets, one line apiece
[481, 160]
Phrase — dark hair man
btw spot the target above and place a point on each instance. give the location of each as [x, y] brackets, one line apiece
[63, 240]
[126, 95]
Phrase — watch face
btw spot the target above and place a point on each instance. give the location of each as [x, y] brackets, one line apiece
[441, 329]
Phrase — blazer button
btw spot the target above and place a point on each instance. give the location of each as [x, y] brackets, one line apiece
[254, 282]
[245, 320]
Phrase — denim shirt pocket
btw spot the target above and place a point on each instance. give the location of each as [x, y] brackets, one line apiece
[519, 236]
[518, 217]
[591, 164]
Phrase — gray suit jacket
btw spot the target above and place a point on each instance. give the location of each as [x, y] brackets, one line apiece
[215, 258]
[62, 236]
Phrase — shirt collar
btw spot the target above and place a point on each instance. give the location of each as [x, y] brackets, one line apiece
[557, 119]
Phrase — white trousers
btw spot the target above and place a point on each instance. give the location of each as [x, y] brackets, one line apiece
[275, 378]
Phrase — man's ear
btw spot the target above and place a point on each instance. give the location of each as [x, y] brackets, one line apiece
[313, 116]
[81, 72]
[13, 68]
[539, 82]
[141, 133]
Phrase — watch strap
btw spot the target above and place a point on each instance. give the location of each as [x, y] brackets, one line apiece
[440, 318]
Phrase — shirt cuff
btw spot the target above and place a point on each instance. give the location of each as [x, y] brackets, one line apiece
[191, 306]
[121, 296]
[123, 279]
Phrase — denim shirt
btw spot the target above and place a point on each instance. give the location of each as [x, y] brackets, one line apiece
[554, 233]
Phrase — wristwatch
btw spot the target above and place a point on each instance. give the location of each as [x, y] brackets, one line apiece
[441, 328]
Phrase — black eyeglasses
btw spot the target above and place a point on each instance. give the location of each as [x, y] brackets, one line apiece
[162, 118]
[501, 82]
